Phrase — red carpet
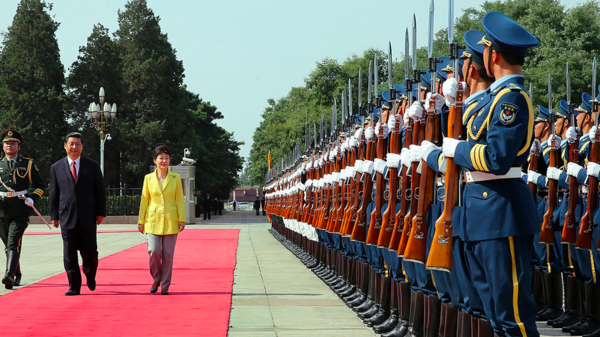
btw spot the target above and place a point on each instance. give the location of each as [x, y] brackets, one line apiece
[57, 231]
[198, 303]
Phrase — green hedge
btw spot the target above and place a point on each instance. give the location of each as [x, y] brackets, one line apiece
[115, 205]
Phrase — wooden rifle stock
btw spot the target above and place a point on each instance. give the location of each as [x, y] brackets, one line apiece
[568, 232]
[405, 185]
[547, 233]
[417, 242]
[359, 232]
[440, 253]
[337, 221]
[351, 188]
[389, 219]
[419, 131]
[584, 239]
[376, 218]
[335, 191]
[358, 187]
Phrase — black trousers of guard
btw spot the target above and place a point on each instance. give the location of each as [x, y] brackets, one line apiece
[11, 232]
[207, 213]
[84, 240]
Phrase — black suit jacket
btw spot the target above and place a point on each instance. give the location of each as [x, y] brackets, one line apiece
[81, 201]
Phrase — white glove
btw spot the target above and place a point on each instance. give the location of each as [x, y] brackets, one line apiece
[571, 134]
[593, 169]
[439, 101]
[369, 133]
[449, 146]
[573, 169]
[553, 173]
[392, 123]
[404, 157]
[382, 128]
[415, 111]
[556, 140]
[535, 147]
[29, 202]
[414, 154]
[358, 134]
[426, 148]
[532, 177]
[449, 89]
[392, 159]
[592, 133]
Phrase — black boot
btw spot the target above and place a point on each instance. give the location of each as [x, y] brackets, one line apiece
[554, 293]
[592, 322]
[433, 316]
[484, 328]
[12, 260]
[449, 322]
[416, 318]
[537, 289]
[392, 320]
[370, 291]
[385, 296]
[404, 309]
[374, 292]
[573, 312]
[18, 275]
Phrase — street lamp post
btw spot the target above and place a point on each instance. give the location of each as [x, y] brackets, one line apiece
[102, 116]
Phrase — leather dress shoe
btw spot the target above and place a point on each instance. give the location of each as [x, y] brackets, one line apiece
[72, 292]
[154, 287]
[17, 280]
[91, 284]
[8, 281]
[164, 292]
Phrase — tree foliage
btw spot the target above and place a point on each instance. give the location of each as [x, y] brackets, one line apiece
[571, 35]
[139, 70]
[31, 83]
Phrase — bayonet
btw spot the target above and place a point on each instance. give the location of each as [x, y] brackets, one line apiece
[414, 43]
[390, 85]
[349, 102]
[375, 78]
[332, 121]
[531, 93]
[315, 133]
[369, 86]
[344, 107]
[594, 104]
[430, 44]
[450, 21]
[407, 81]
[568, 85]
[359, 91]
[550, 102]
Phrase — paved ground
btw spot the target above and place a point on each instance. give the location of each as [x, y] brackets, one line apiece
[274, 293]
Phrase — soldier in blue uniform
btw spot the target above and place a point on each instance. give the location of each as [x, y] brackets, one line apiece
[498, 225]
[17, 174]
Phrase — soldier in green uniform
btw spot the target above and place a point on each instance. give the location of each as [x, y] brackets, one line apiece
[17, 174]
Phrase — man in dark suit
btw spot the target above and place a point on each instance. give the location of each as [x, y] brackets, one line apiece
[17, 173]
[77, 204]
[257, 205]
[207, 203]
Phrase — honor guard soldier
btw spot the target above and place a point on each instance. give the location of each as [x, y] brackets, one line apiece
[499, 224]
[17, 174]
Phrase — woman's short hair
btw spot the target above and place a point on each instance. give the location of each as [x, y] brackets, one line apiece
[160, 149]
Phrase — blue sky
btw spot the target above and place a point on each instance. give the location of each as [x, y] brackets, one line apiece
[238, 54]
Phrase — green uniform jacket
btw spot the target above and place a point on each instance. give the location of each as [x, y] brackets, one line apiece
[25, 175]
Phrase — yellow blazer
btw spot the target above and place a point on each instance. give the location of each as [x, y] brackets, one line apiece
[161, 210]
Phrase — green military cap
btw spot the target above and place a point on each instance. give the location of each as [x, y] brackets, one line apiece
[11, 135]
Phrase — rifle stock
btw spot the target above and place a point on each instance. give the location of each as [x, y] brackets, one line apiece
[376, 218]
[440, 253]
[389, 218]
[359, 232]
[405, 184]
[568, 232]
[547, 233]
[584, 239]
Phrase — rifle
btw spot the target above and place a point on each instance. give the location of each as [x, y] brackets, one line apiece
[440, 253]
[547, 233]
[584, 239]
[533, 158]
[389, 218]
[405, 184]
[356, 188]
[376, 218]
[359, 232]
[405, 179]
[568, 232]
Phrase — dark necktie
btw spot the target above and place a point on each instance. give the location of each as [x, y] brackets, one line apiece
[10, 165]
[73, 171]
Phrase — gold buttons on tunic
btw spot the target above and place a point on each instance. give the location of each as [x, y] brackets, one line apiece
[485, 194]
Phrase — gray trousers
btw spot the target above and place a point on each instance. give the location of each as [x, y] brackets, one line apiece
[161, 249]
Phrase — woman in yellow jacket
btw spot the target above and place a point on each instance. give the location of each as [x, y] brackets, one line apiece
[161, 217]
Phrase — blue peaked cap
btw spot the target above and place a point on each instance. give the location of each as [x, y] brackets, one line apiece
[543, 115]
[474, 51]
[506, 36]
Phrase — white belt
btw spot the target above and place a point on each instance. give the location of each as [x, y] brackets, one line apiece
[12, 194]
[475, 176]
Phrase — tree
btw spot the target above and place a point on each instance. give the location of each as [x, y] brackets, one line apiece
[31, 83]
[98, 65]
